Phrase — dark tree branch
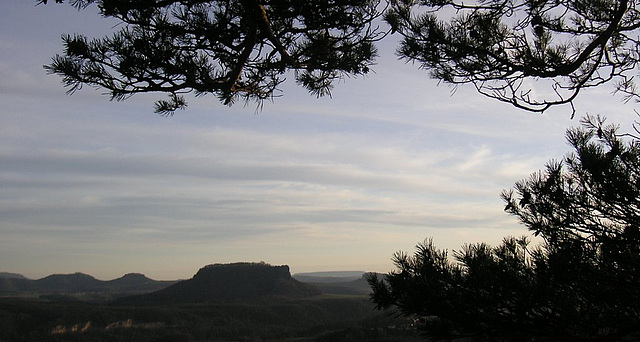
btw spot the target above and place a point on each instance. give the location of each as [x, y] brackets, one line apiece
[230, 48]
[497, 45]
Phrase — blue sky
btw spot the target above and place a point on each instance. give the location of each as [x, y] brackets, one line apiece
[107, 188]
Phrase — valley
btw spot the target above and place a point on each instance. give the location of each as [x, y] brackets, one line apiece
[232, 302]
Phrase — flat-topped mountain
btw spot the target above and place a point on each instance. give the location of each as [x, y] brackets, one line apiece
[224, 282]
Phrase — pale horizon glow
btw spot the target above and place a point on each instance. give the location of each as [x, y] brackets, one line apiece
[331, 184]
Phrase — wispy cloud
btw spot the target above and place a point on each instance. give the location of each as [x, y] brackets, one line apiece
[106, 188]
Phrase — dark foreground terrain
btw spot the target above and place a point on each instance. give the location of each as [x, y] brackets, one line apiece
[318, 318]
[222, 302]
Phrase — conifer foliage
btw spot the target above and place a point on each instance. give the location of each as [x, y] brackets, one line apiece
[235, 49]
[505, 48]
[533, 54]
[581, 283]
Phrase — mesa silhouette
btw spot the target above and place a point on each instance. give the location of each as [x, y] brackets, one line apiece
[227, 282]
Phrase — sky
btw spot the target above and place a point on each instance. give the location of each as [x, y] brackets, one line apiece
[342, 183]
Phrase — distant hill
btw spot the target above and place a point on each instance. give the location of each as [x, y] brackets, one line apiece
[136, 283]
[212, 283]
[224, 282]
[68, 283]
[80, 284]
[355, 287]
[13, 283]
[7, 275]
[15, 286]
[343, 283]
[328, 277]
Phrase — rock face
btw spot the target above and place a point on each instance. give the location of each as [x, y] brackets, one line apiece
[224, 282]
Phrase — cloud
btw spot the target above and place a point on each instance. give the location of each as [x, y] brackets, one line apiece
[331, 183]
